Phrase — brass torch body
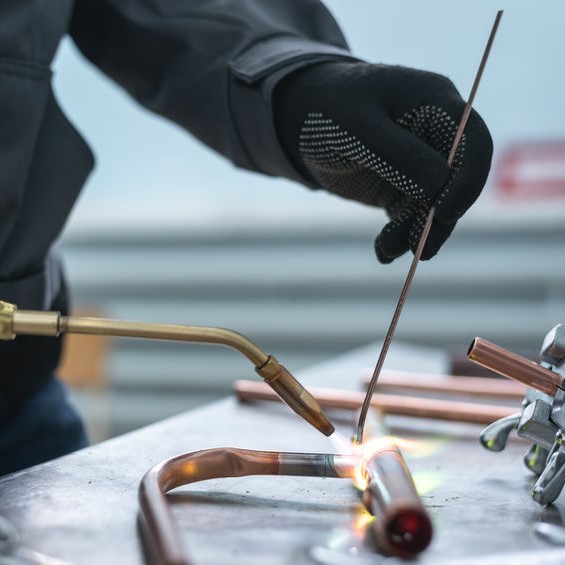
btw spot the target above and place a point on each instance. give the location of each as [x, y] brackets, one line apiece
[15, 322]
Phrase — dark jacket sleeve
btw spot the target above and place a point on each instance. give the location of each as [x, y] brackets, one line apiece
[210, 65]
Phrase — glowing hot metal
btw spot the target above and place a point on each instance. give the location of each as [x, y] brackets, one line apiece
[402, 526]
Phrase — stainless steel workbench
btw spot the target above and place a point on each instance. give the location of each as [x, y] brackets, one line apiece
[82, 508]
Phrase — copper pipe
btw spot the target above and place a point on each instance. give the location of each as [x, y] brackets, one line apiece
[402, 525]
[30, 322]
[433, 383]
[418, 407]
[158, 528]
[514, 366]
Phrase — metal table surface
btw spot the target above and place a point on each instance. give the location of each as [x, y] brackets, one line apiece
[82, 508]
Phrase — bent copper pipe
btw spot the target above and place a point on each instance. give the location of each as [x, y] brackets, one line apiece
[15, 322]
[514, 366]
[401, 524]
[158, 527]
[449, 410]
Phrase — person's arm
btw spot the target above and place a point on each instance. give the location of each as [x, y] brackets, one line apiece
[43, 165]
[272, 86]
[211, 65]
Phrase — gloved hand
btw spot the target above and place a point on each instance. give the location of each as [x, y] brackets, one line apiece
[381, 135]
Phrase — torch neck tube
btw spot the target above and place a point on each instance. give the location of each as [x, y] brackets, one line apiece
[14, 322]
[31, 322]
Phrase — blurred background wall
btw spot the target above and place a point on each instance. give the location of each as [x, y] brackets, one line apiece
[168, 231]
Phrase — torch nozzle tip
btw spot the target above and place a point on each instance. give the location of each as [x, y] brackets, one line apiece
[320, 421]
[295, 395]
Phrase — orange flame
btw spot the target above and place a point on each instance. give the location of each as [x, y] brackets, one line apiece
[361, 521]
[365, 451]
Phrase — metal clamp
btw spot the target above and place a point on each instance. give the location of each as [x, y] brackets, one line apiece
[542, 418]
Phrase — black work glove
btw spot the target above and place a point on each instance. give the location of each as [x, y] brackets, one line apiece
[381, 135]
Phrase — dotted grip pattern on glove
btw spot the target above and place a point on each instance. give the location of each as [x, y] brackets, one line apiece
[344, 165]
[381, 135]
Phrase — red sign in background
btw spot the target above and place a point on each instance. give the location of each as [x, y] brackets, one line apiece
[531, 171]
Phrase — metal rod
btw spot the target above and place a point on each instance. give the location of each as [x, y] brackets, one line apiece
[481, 387]
[418, 407]
[514, 366]
[423, 238]
[30, 322]
[474, 88]
[392, 326]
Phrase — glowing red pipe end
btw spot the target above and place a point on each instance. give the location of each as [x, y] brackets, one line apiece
[402, 525]
[409, 532]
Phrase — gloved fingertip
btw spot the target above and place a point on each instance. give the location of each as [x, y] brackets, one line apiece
[432, 247]
[382, 257]
[393, 241]
[388, 247]
[439, 233]
[428, 253]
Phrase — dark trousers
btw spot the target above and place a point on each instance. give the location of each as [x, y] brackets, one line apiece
[44, 427]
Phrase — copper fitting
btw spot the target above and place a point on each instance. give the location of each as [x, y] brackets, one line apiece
[402, 525]
[514, 366]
